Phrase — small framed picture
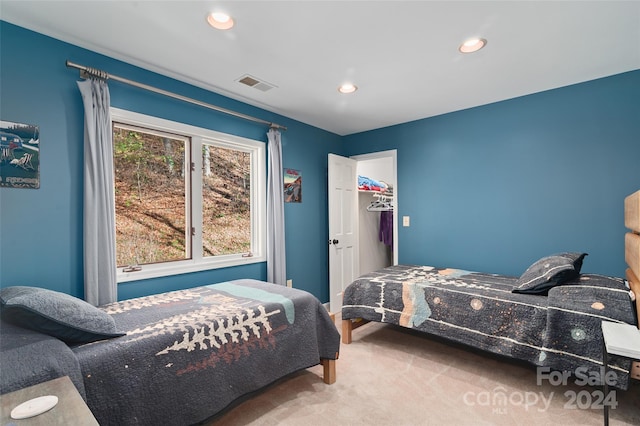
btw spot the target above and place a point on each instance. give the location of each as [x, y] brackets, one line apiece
[19, 155]
[292, 186]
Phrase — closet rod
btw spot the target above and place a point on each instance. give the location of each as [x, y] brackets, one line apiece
[88, 71]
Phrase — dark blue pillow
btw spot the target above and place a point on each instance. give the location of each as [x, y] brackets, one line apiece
[56, 314]
[549, 272]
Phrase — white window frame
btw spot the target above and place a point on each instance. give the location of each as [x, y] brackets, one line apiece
[258, 189]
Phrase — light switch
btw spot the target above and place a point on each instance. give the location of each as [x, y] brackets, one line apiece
[406, 221]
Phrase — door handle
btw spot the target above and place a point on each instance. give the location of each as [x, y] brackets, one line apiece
[335, 241]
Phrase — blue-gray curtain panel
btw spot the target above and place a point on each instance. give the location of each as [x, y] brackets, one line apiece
[276, 255]
[100, 284]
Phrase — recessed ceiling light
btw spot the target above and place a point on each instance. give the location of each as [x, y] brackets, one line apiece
[220, 21]
[347, 88]
[472, 45]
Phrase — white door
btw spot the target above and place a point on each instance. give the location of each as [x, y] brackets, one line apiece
[343, 238]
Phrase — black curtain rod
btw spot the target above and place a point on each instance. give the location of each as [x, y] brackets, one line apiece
[86, 72]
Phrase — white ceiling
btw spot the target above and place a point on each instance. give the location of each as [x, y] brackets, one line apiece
[401, 54]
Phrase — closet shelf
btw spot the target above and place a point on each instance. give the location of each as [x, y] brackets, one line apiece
[369, 191]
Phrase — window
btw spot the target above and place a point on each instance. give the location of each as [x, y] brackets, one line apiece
[186, 198]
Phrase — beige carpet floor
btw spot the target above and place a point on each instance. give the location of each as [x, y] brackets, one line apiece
[392, 376]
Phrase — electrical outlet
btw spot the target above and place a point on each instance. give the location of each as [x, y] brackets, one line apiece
[289, 283]
[406, 221]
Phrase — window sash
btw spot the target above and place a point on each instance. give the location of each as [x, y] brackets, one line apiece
[187, 186]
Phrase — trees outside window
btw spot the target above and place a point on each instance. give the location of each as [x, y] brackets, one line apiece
[186, 198]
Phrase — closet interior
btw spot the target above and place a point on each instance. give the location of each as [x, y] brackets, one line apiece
[376, 205]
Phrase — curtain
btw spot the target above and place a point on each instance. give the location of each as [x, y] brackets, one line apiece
[100, 285]
[276, 259]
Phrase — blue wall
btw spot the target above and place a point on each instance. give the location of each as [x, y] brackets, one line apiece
[490, 189]
[41, 230]
[496, 187]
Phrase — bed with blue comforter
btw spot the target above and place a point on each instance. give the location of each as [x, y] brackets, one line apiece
[174, 358]
[545, 323]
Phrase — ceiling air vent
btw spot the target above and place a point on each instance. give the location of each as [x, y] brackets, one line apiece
[255, 83]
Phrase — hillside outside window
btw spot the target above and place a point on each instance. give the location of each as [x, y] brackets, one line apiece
[186, 198]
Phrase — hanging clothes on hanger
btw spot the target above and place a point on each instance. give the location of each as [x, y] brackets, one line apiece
[386, 227]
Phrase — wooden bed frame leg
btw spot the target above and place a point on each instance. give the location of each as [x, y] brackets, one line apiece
[329, 371]
[347, 328]
[348, 325]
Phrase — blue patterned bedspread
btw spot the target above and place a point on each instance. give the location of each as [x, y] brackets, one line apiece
[188, 354]
[561, 331]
